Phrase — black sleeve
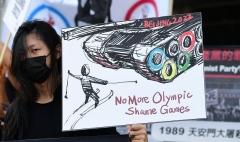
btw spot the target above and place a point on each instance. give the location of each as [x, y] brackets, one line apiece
[97, 132]
[4, 133]
[10, 90]
[6, 126]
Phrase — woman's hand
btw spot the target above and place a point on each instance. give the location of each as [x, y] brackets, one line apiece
[7, 55]
[137, 133]
[7, 63]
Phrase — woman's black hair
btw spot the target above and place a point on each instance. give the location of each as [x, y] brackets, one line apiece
[16, 120]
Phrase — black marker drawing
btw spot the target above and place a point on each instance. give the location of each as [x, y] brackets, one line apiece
[86, 83]
[103, 100]
[159, 53]
[157, 49]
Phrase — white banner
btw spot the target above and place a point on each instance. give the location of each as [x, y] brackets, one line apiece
[196, 131]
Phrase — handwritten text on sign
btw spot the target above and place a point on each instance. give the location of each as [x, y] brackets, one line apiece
[167, 22]
[157, 98]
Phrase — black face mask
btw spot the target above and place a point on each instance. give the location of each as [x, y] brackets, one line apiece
[36, 68]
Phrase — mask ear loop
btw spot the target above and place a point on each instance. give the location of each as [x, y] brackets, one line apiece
[48, 54]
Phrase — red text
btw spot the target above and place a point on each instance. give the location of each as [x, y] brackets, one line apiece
[166, 110]
[132, 111]
[131, 100]
[158, 97]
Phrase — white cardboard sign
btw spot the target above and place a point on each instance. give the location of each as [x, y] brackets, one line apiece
[15, 14]
[139, 71]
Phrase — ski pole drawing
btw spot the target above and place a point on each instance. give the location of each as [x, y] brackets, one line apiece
[86, 82]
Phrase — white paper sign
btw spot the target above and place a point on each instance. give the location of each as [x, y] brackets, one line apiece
[212, 97]
[138, 71]
[15, 14]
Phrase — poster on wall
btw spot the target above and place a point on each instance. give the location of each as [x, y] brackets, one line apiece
[127, 70]
[222, 73]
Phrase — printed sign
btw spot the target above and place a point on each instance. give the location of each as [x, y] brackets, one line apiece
[221, 62]
[15, 14]
[196, 131]
[138, 71]
[222, 101]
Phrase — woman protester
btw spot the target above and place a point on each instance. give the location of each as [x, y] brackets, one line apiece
[36, 111]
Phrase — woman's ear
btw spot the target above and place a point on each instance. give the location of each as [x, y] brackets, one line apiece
[58, 51]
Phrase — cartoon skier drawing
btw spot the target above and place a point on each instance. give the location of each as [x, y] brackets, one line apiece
[86, 82]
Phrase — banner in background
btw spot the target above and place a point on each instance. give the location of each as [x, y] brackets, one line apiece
[223, 63]
[223, 101]
[61, 13]
[194, 131]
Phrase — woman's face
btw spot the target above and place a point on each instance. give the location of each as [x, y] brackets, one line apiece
[36, 47]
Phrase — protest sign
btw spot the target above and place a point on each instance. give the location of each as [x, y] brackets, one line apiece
[15, 14]
[222, 100]
[212, 97]
[138, 71]
[13, 18]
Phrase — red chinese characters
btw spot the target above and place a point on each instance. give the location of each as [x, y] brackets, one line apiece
[236, 55]
[206, 55]
[216, 55]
